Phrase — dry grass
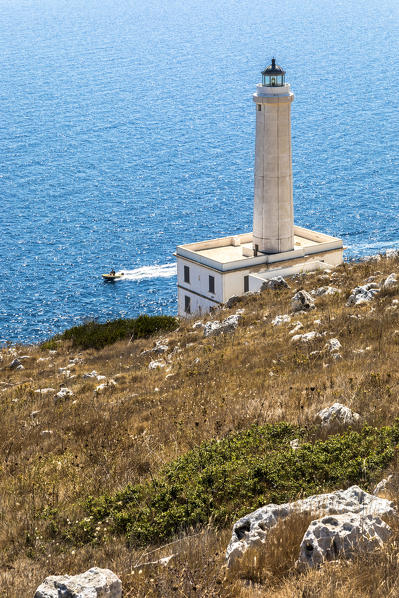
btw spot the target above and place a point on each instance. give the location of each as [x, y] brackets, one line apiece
[94, 443]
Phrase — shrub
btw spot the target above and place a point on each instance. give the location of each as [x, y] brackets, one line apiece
[93, 335]
[220, 481]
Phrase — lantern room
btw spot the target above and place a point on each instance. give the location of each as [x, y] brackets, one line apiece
[273, 75]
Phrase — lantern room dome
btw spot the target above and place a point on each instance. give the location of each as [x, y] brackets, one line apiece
[273, 75]
[273, 69]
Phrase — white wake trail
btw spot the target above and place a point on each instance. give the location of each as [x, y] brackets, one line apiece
[148, 272]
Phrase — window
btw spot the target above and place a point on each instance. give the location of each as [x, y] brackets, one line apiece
[259, 107]
[186, 274]
[211, 284]
[246, 284]
[187, 304]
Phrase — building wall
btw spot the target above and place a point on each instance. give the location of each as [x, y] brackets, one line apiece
[231, 282]
[201, 299]
[198, 305]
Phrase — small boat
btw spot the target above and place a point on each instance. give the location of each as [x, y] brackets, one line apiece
[112, 276]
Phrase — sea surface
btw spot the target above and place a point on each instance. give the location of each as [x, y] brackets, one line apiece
[127, 127]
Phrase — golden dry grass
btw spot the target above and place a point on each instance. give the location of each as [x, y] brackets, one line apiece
[93, 443]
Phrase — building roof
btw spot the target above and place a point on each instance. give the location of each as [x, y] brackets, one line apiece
[230, 253]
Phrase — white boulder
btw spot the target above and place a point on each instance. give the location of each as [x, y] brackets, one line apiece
[252, 529]
[63, 393]
[390, 281]
[278, 282]
[44, 391]
[333, 345]
[339, 536]
[278, 320]
[302, 301]
[324, 291]
[363, 294]
[306, 337]
[94, 583]
[160, 347]
[337, 413]
[215, 327]
[92, 374]
[154, 365]
[105, 386]
[232, 301]
[15, 364]
[387, 486]
[298, 326]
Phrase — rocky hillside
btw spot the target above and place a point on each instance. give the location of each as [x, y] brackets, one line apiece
[139, 456]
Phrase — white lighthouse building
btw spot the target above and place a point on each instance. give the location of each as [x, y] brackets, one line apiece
[210, 272]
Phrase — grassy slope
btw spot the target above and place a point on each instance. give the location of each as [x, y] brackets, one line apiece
[102, 442]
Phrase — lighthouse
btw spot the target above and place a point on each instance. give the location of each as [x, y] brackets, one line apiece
[212, 271]
[273, 219]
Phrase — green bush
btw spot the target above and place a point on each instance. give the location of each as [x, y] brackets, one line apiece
[220, 481]
[93, 335]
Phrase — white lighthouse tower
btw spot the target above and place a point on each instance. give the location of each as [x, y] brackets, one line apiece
[273, 230]
[210, 272]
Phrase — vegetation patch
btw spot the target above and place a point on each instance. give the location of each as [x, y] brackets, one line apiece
[93, 335]
[222, 480]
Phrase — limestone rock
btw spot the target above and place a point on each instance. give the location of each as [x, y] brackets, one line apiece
[94, 583]
[392, 253]
[232, 301]
[15, 364]
[390, 281]
[65, 371]
[363, 294]
[160, 347]
[371, 258]
[105, 385]
[281, 320]
[325, 291]
[252, 529]
[306, 338]
[337, 413]
[302, 301]
[278, 282]
[215, 327]
[387, 486]
[333, 345]
[92, 374]
[339, 536]
[298, 326]
[63, 393]
[44, 391]
[153, 365]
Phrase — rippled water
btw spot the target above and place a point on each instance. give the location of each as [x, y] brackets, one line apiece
[128, 127]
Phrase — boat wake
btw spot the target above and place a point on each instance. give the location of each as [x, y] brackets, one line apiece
[376, 245]
[148, 272]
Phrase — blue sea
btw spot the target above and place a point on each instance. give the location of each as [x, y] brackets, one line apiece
[127, 128]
